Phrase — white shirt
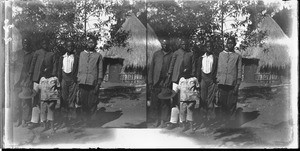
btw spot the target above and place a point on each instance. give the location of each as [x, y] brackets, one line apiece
[207, 63]
[68, 61]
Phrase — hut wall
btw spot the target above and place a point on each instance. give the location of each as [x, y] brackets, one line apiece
[252, 75]
[249, 70]
[113, 69]
[113, 72]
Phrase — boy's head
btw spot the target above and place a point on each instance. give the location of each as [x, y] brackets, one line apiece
[208, 47]
[45, 44]
[26, 44]
[163, 42]
[69, 46]
[91, 42]
[231, 42]
[184, 45]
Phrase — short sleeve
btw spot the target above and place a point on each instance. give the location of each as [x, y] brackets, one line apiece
[175, 87]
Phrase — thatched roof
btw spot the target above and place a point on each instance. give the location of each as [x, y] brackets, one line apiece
[275, 51]
[134, 54]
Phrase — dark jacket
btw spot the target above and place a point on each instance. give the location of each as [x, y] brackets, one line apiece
[73, 73]
[41, 59]
[90, 68]
[156, 66]
[26, 64]
[177, 64]
[229, 68]
[198, 66]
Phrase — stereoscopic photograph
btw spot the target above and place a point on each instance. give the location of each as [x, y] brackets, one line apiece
[149, 74]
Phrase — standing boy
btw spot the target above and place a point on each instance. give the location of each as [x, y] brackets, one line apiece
[89, 78]
[24, 104]
[181, 65]
[67, 75]
[229, 76]
[43, 59]
[49, 95]
[207, 70]
[160, 108]
[188, 99]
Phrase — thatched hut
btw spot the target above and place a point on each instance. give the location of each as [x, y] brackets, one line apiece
[270, 60]
[141, 44]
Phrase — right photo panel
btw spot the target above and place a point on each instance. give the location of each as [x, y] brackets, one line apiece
[221, 73]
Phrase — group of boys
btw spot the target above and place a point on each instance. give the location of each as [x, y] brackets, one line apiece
[185, 87]
[65, 86]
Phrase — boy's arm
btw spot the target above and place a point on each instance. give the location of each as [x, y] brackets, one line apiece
[55, 64]
[172, 63]
[37, 86]
[239, 74]
[239, 70]
[32, 64]
[150, 74]
[178, 86]
[100, 75]
[59, 69]
[100, 69]
[193, 65]
[219, 68]
[75, 67]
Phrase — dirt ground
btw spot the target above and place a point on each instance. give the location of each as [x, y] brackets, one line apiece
[264, 121]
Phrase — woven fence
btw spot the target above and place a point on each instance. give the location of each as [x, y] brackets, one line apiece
[266, 78]
[129, 78]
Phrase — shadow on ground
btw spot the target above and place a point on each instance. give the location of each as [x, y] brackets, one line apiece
[140, 125]
[241, 136]
[106, 96]
[257, 91]
[233, 132]
[102, 117]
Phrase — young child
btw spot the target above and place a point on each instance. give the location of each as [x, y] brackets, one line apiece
[188, 99]
[41, 59]
[49, 89]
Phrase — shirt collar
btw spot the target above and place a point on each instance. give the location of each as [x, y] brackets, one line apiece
[27, 52]
[205, 55]
[66, 55]
[227, 51]
[88, 51]
[165, 53]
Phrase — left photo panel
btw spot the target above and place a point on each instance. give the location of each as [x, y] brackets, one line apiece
[74, 69]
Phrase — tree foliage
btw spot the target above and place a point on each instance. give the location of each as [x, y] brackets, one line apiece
[51, 20]
[194, 21]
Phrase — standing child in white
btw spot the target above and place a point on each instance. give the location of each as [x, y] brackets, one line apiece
[49, 89]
